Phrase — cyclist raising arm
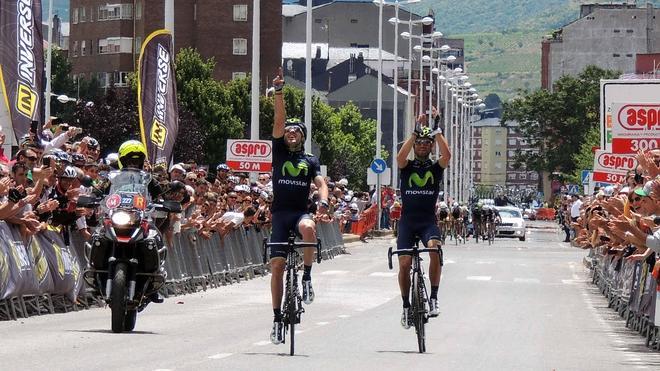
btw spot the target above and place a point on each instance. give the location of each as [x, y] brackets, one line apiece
[293, 173]
[420, 185]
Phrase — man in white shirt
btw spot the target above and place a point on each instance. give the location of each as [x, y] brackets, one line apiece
[575, 208]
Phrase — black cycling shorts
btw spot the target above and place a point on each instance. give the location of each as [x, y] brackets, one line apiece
[426, 231]
[283, 222]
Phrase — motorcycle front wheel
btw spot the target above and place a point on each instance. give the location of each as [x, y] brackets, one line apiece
[118, 295]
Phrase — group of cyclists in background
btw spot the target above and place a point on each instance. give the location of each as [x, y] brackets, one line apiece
[459, 222]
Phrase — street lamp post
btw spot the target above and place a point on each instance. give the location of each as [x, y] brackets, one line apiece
[395, 110]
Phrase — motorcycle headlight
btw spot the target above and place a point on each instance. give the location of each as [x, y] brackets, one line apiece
[121, 218]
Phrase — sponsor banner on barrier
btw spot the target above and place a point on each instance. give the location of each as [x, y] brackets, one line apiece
[64, 265]
[635, 127]
[611, 167]
[624, 92]
[22, 279]
[22, 62]
[250, 155]
[157, 103]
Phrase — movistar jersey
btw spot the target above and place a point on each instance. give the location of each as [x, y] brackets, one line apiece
[420, 185]
[293, 173]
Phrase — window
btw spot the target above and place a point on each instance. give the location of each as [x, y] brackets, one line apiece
[83, 48]
[111, 12]
[82, 17]
[522, 176]
[120, 78]
[498, 153]
[617, 31]
[75, 48]
[318, 20]
[138, 43]
[354, 21]
[113, 45]
[102, 77]
[533, 176]
[512, 141]
[241, 13]
[138, 9]
[511, 176]
[629, 55]
[74, 15]
[630, 31]
[238, 75]
[240, 46]
[615, 55]
[512, 153]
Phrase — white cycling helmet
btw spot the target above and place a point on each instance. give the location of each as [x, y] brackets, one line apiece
[455, 204]
[443, 205]
[69, 172]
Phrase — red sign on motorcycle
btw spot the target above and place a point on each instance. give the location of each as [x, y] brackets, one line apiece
[139, 202]
[113, 201]
[635, 127]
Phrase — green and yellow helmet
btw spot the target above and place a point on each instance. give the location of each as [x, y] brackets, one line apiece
[132, 152]
[424, 132]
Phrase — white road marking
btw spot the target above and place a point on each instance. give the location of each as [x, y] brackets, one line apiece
[344, 316]
[484, 262]
[526, 280]
[383, 274]
[299, 332]
[322, 323]
[262, 343]
[449, 261]
[220, 355]
[478, 278]
[333, 273]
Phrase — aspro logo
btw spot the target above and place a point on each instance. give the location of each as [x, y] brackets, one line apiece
[159, 130]
[617, 162]
[245, 148]
[640, 116]
[419, 181]
[26, 97]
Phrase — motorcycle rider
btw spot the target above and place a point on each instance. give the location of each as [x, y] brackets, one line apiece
[132, 156]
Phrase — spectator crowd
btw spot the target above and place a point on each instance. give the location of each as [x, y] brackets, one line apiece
[40, 186]
[621, 219]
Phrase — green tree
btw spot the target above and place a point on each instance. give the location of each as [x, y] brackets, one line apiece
[209, 100]
[557, 123]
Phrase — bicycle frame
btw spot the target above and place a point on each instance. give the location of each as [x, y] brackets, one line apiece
[292, 308]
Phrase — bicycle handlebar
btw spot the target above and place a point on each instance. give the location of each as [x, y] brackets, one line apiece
[399, 252]
[292, 245]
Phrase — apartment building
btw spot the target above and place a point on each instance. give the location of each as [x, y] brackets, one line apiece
[105, 38]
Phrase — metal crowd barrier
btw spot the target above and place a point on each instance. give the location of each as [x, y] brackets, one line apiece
[44, 274]
[631, 290]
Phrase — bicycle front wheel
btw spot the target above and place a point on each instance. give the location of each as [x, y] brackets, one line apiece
[292, 308]
[418, 310]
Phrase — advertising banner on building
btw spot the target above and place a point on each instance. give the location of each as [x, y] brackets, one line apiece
[21, 62]
[635, 126]
[638, 93]
[157, 103]
[611, 167]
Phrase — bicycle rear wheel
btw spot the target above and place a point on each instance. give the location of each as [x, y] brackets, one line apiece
[292, 308]
[418, 311]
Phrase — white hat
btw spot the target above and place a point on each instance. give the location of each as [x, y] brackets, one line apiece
[190, 190]
[242, 188]
[347, 198]
[354, 206]
[343, 182]
[177, 167]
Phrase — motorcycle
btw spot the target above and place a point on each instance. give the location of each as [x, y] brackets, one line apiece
[127, 253]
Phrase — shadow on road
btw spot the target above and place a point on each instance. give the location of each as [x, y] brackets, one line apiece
[402, 351]
[274, 354]
[106, 331]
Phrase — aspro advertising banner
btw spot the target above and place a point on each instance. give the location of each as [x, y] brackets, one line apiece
[249, 155]
[21, 62]
[635, 127]
[157, 104]
[612, 167]
[616, 94]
